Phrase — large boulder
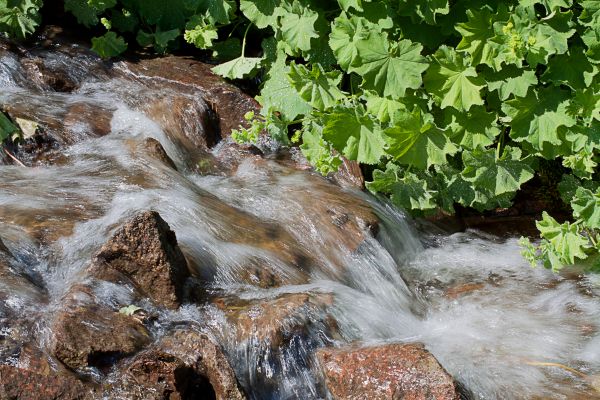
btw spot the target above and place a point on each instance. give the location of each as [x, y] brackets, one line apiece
[145, 250]
[386, 372]
[184, 364]
[21, 384]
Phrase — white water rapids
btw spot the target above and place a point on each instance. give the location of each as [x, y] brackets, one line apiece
[487, 316]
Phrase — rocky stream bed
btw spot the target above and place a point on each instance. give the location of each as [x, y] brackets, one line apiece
[145, 255]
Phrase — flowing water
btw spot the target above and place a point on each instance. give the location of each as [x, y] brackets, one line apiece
[489, 318]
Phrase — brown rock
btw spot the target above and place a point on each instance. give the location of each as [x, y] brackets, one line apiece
[21, 384]
[90, 118]
[181, 364]
[349, 175]
[155, 150]
[274, 322]
[145, 250]
[92, 335]
[394, 371]
[185, 74]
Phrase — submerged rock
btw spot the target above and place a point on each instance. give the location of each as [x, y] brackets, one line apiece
[387, 372]
[274, 322]
[184, 364]
[145, 250]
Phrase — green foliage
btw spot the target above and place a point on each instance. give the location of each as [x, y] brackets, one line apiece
[109, 45]
[449, 102]
[7, 128]
[19, 18]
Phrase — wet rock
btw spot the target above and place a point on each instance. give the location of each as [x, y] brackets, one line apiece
[186, 119]
[21, 384]
[184, 364]
[349, 175]
[463, 289]
[154, 149]
[33, 359]
[54, 79]
[274, 322]
[185, 74]
[394, 371]
[92, 335]
[264, 274]
[230, 155]
[85, 119]
[146, 251]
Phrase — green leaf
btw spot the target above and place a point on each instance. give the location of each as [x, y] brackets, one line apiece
[238, 68]
[354, 134]
[567, 244]
[227, 49]
[477, 35]
[581, 163]
[216, 11]
[345, 35]
[416, 140]
[472, 129]
[389, 68]
[261, 13]
[586, 206]
[165, 15]
[200, 34]
[20, 19]
[85, 13]
[297, 27]
[591, 38]
[573, 70]
[317, 151]
[590, 15]
[278, 94]
[407, 190]
[383, 108]
[586, 105]
[317, 87]
[102, 5]
[535, 118]
[159, 40]
[453, 81]
[347, 4]
[493, 176]
[109, 45]
[545, 39]
[7, 128]
[427, 10]
[124, 21]
[550, 5]
[511, 81]
[129, 310]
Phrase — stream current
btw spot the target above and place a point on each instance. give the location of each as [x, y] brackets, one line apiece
[478, 307]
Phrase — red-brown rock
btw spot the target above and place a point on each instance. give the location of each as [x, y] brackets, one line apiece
[184, 364]
[145, 250]
[387, 372]
[92, 335]
[21, 384]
